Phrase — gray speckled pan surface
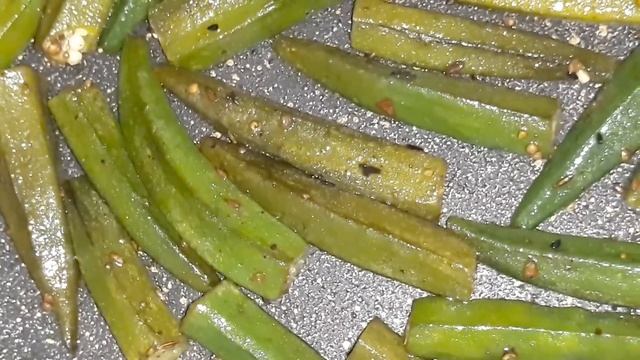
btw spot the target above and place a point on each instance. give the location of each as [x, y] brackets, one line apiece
[331, 301]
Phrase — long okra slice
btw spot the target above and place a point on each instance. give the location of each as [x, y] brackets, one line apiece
[18, 23]
[379, 342]
[232, 326]
[130, 208]
[198, 34]
[601, 11]
[439, 41]
[356, 229]
[125, 16]
[349, 159]
[602, 270]
[467, 110]
[605, 135]
[29, 156]
[505, 329]
[140, 322]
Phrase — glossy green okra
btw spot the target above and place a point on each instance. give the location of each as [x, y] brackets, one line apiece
[632, 191]
[379, 342]
[140, 322]
[125, 16]
[506, 329]
[29, 157]
[232, 326]
[198, 34]
[398, 33]
[600, 11]
[362, 231]
[72, 117]
[464, 109]
[71, 28]
[605, 135]
[602, 270]
[18, 23]
[349, 159]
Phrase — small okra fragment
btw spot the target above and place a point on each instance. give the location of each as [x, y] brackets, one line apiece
[467, 110]
[507, 329]
[18, 23]
[606, 134]
[125, 16]
[232, 326]
[349, 159]
[379, 342]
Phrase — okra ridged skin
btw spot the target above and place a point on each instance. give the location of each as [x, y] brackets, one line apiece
[34, 176]
[140, 322]
[125, 16]
[114, 186]
[197, 34]
[232, 326]
[379, 342]
[18, 23]
[467, 110]
[352, 160]
[396, 32]
[507, 329]
[598, 11]
[602, 270]
[605, 135]
[357, 229]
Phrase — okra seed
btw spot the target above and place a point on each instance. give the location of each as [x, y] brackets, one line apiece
[48, 302]
[193, 89]
[522, 135]
[574, 66]
[625, 155]
[574, 39]
[254, 126]
[116, 259]
[509, 21]
[306, 196]
[530, 270]
[532, 148]
[583, 76]
[537, 156]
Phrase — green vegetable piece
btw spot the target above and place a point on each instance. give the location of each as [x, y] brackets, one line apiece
[232, 326]
[18, 22]
[198, 34]
[126, 15]
[632, 191]
[379, 342]
[141, 323]
[31, 202]
[73, 119]
[71, 28]
[349, 159]
[606, 134]
[362, 231]
[467, 110]
[459, 45]
[506, 329]
[602, 270]
[600, 11]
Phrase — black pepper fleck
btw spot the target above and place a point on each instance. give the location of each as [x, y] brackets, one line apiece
[368, 170]
[213, 27]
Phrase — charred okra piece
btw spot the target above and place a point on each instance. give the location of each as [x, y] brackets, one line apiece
[232, 326]
[126, 15]
[507, 329]
[602, 270]
[464, 109]
[379, 342]
[351, 160]
[141, 323]
[607, 134]
[18, 23]
[198, 34]
[31, 202]
[449, 43]
[357, 229]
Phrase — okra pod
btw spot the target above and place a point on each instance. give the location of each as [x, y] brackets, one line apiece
[131, 209]
[362, 231]
[18, 23]
[126, 15]
[198, 34]
[600, 11]
[632, 191]
[441, 42]
[379, 342]
[602, 270]
[464, 109]
[26, 145]
[71, 28]
[141, 323]
[605, 135]
[507, 329]
[349, 159]
[232, 326]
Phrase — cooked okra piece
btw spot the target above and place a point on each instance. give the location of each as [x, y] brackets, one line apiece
[632, 192]
[467, 110]
[379, 342]
[125, 16]
[18, 23]
[232, 326]
[31, 201]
